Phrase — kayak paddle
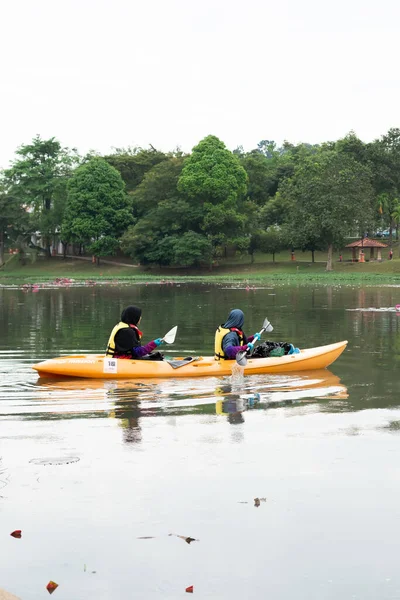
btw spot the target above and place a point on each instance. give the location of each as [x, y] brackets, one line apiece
[169, 337]
[241, 358]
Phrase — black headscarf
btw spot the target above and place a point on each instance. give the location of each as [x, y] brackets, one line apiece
[235, 319]
[131, 315]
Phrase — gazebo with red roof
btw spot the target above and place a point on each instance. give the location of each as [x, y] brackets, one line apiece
[367, 243]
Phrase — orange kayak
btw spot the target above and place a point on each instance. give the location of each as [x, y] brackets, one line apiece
[98, 366]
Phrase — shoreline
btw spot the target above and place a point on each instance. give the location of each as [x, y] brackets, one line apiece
[60, 273]
[239, 280]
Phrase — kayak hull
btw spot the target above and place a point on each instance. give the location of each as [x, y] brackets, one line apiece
[97, 366]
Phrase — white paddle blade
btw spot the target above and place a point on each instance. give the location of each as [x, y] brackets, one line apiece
[267, 326]
[169, 337]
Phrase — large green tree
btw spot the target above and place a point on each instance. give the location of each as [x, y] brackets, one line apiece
[98, 209]
[14, 219]
[161, 213]
[158, 185]
[37, 178]
[185, 206]
[212, 173]
[134, 163]
[384, 156]
[262, 175]
[331, 196]
[212, 178]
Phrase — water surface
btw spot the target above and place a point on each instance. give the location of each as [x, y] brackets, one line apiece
[89, 467]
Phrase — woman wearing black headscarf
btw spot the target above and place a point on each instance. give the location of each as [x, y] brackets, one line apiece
[125, 338]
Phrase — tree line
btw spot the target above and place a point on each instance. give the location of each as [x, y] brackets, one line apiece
[190, 209]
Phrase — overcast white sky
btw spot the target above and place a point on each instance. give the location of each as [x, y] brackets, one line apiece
[97, 73]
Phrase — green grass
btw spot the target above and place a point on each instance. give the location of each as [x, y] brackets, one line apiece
[261, 271]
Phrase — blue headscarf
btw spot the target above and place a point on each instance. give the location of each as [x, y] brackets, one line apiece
[235, 319]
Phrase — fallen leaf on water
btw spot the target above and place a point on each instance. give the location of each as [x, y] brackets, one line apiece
[16, 534]
[188, 540]
[257, 501]
[189, 589]
[51, 586]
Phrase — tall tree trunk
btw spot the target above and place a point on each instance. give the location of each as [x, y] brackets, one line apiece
[47, 245]
[1, 247]
[273, 257]
[312, 256]
[97, 260]
[329, 264]
[65, 246]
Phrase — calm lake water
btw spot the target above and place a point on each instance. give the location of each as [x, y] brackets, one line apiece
[88, 468]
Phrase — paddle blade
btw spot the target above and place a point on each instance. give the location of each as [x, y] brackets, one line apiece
[267, 326]
[169, 337]
[241, 358]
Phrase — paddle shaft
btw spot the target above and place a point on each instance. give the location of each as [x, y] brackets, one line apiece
[241, 355]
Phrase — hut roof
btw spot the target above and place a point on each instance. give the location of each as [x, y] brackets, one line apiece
[366, 243]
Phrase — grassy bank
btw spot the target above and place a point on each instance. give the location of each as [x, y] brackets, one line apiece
[285, 271]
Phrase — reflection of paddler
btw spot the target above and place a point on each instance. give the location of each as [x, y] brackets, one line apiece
[232, 408]
[234, 404]
[229, 405]
[129, 420]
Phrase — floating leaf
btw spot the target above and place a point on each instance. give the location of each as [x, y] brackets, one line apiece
[51, 586]
[188, 540]
[257, 501]
[16, 534]
[189, 589]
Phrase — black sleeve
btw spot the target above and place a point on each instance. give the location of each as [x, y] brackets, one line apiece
[126, 339]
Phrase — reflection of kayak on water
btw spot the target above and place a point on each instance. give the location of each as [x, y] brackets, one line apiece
[130, 401]
[317, 385]
[170, 394]
[100, 367]
[290, 381]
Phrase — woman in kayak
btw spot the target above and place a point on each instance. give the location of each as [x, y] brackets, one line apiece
[125, 338]
[230, 338]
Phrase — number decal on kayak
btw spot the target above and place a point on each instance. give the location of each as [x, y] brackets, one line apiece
[110, 365]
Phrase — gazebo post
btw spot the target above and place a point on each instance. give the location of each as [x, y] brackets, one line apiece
[379, 254]
[354, 254]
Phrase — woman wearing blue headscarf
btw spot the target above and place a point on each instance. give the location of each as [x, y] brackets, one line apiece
[230, 338]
